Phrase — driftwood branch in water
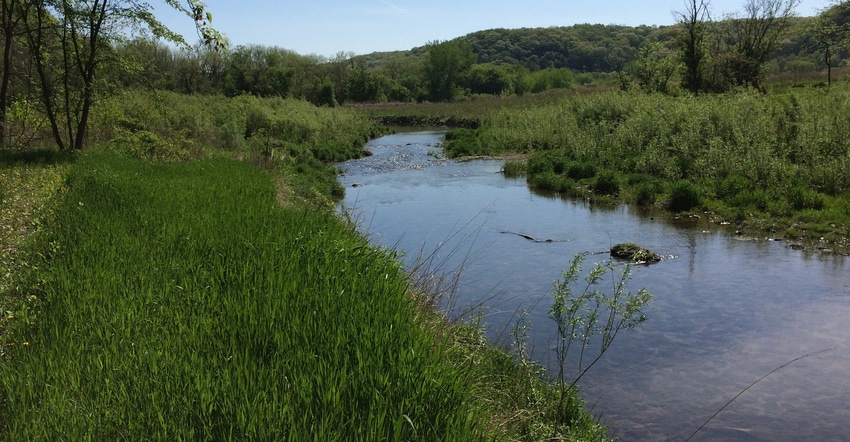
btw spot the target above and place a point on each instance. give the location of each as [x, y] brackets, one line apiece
[529, 237]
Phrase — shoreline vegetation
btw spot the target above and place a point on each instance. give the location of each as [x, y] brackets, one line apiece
[761, 165]
[172, 266]
[204, 270]
[172, 255]
[171, 258]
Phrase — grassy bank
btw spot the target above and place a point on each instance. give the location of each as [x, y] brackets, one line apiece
[173, 300]
[775, 162]
[295, 138]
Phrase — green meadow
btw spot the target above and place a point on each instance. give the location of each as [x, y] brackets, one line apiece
[165, 287]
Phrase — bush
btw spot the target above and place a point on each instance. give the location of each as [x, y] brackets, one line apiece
[731, 186]
[607, 183]
[551, 181]
[514, 169]
[683, 196]
[540, 164]
[646, 193]
[801, 198]
[147, 145]
[462, 142]
[581, 170]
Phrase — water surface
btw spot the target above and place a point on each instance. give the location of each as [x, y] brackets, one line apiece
[726, 312]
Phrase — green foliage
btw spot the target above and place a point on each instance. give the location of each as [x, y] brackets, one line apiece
[147, 145]
[741, 149]
[589, 314]
[288, 135]
[801, 198]
[579, 170]
[654, 67]
[185, 281]
[552, 182]
[463, 143]
[645, 189]
[684, 196]
[549, 78]
[447, 64]
[492, 79]
[732, 186]
[607, 183]
[514, 169]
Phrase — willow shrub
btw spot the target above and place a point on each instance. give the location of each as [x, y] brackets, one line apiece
[758, 141]
[182, 303]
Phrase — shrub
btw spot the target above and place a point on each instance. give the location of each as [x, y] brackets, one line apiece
[581, 170]
[539, 164]
[607, 183]
[256, 121]
[683, 196]
[731, 186]
[513, 169]
[646, 192]
[462, 142]
[551, 181]
[802, 198]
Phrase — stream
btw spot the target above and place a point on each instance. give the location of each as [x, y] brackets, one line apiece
[753, 318]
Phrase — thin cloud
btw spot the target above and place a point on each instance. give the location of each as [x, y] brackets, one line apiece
[403, 11]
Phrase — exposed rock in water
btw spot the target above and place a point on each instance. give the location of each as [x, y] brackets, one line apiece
[634, 253]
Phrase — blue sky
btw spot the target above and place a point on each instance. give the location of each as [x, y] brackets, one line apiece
[327, 27]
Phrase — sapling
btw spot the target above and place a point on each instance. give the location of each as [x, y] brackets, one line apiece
[582, 315]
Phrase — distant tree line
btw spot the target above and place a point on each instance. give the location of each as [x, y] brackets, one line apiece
[698, 54]
[442, 71]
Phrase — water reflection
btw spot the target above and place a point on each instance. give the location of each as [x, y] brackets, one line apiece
[726, 312]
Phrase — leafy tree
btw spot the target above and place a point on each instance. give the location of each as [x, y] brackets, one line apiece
[654, 67]
[831, 31]
[368, 85]
[692, 43]
[10, 20]
[447, 64]
[550, 79]
[491, 79]
[69, 40]
[756, 35]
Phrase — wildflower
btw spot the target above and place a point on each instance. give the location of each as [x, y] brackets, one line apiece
[10, 316]
[25, 343]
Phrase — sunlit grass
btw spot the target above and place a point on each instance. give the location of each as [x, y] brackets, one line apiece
[751, 158]
[183, 302]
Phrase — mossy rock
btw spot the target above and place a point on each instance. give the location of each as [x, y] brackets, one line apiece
[634, 253]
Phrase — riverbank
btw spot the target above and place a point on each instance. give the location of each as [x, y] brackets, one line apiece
[208, 284]
[770, 165]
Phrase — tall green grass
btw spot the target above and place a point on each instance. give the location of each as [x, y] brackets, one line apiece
[183, 303]
[783, 155]
[293, 136]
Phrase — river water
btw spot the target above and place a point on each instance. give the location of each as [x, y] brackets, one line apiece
[726, 312]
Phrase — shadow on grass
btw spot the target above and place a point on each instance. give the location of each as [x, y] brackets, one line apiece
[43, 156]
